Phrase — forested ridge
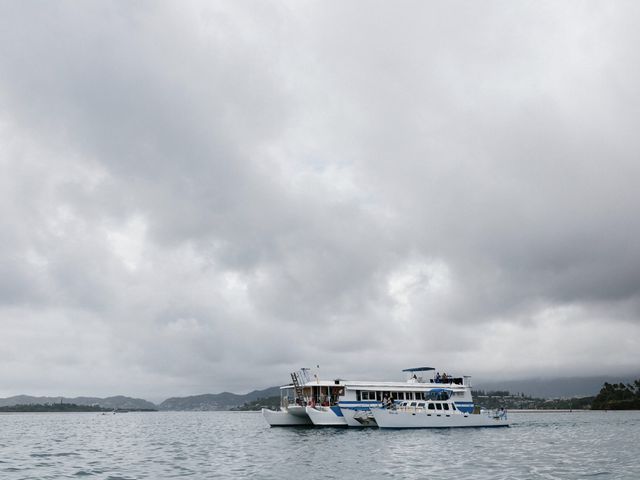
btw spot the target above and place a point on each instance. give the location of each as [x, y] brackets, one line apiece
[618, 396]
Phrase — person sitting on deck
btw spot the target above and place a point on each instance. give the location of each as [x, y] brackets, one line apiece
[438, 377]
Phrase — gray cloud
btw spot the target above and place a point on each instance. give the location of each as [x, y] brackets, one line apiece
[205, 196]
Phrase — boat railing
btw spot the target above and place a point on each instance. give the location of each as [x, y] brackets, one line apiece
[497, 414]
[448, 380]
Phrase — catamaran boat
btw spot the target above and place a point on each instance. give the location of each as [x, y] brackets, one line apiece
[361, 397]
[309, 400]
[288, 416]
[436, 411]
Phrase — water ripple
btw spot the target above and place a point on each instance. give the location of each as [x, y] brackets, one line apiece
[240, 445]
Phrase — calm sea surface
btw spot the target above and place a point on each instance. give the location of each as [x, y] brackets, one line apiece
[236, 445]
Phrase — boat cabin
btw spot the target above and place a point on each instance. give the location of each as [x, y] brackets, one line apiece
[322, 394]
[429, 407]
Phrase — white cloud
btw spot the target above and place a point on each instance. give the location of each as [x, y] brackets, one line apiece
[199, 198]
[128, 242]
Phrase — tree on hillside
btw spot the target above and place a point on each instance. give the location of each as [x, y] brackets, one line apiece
[618, 396]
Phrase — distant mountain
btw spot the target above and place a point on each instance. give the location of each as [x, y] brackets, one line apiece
[216, 401]
[209, 401]
[534, 387]
[109, 402]
[554, 387]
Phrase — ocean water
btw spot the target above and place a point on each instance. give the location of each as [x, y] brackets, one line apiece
[577, 445]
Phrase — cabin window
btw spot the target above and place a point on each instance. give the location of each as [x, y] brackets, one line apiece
[453, 407]
[358, 395]
[369, 395]
[413, 404]
[432, 406]
[379, 396]
[446, 406]
[438, 406]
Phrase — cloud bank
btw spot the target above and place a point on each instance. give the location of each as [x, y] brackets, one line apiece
[203, 196]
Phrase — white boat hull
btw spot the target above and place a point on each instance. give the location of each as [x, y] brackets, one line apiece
[358, 418]
[297, 410]
[421, 419]
[326, 416]
[285, 418]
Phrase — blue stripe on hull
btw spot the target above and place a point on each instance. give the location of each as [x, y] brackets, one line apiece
[464, 407]
[337, 411]
[359, 402]
[359, 406]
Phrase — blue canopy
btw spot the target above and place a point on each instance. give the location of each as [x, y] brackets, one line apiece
[418, 369]
[439, 390]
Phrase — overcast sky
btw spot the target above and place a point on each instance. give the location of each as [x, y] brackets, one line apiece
[203, 196]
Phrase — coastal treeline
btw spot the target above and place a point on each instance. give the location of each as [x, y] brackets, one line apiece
[65, 407]
[53, 407]
[256, 405]
[520, 401]
[618, 396]
[612, 396]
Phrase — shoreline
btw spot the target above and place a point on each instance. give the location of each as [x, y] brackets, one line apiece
[565, 410]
